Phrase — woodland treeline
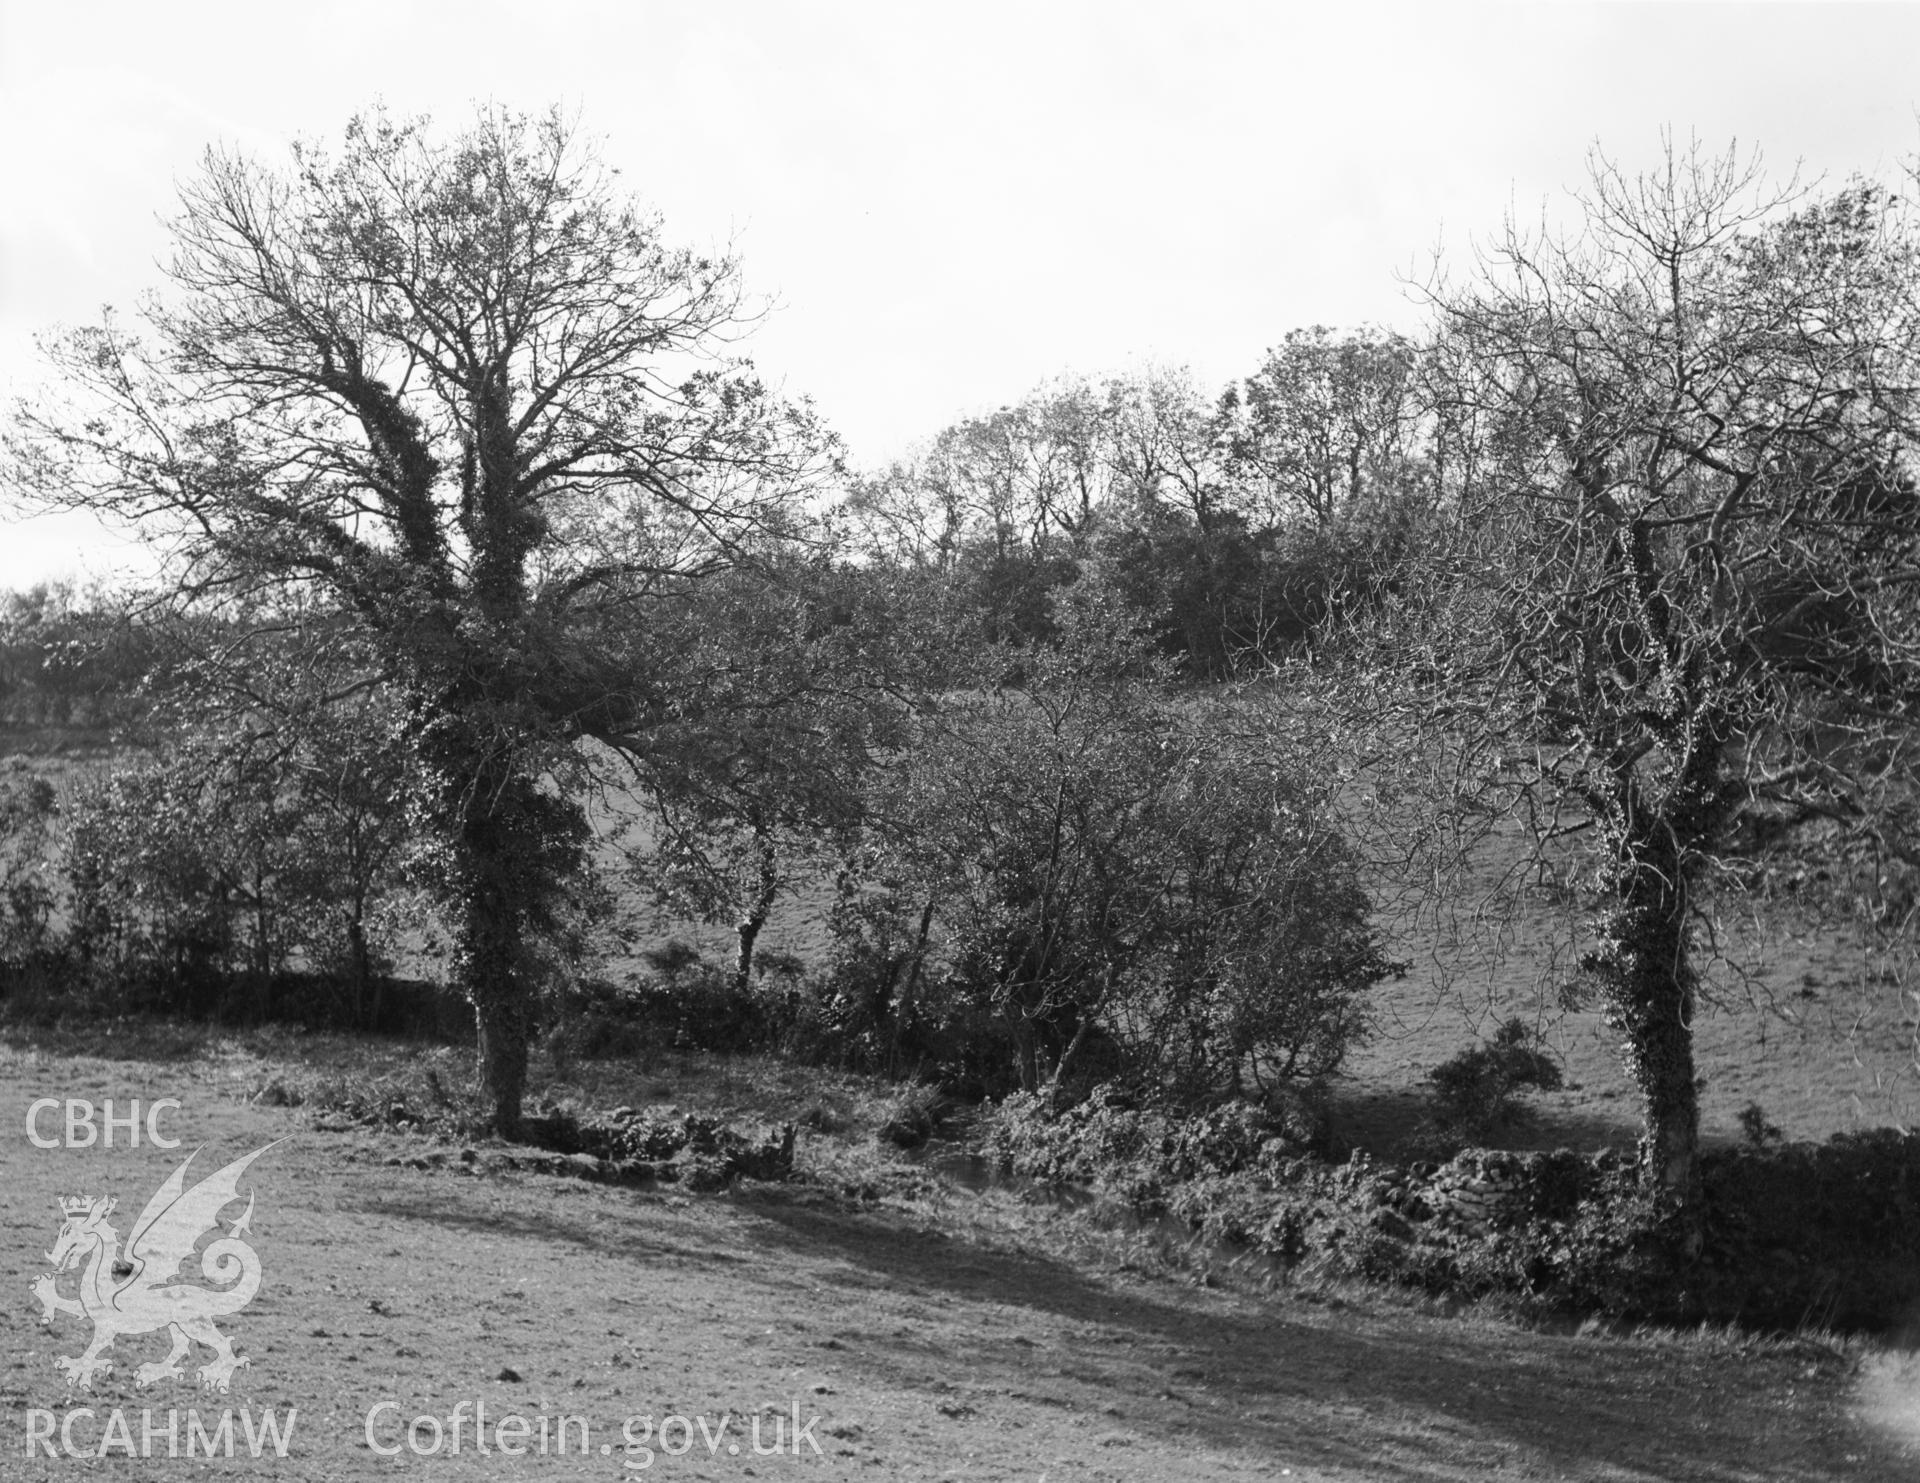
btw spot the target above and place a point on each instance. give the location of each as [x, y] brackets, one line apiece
[1105, 717]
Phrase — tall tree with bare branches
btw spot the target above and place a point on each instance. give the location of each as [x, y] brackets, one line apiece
[461, 387]
[1675, 605]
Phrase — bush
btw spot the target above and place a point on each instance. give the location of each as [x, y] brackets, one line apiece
[203, 877]
[28, 810]
[1096, 869]
[1477, 1092]
[1797, 1235]
[914, 1116]
[879, 1004]
[1143, 1155]
[685, 1003]
[153, 887]
[1757, 1128]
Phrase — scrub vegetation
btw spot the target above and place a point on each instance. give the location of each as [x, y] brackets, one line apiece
[1438, 810]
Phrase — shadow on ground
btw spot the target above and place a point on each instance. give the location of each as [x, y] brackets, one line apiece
[1395, 1394]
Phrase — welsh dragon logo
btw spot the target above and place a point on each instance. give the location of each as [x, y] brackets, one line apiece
[138, 1290]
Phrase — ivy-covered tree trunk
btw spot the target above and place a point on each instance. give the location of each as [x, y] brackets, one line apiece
[502, 1002]
[513, 847]
[490, 960]
[1649, 984]
[1659, 830]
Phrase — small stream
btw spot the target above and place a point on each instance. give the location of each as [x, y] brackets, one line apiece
[977, 1172]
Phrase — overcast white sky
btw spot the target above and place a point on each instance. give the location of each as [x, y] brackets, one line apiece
[950, 203]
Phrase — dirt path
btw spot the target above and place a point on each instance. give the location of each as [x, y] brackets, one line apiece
[924, 1352]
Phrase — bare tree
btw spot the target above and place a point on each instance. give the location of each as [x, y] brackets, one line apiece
[1671, 610]
[1051, 472]
[462, 388]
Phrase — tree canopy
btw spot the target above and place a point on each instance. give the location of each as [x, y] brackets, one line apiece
[1672, 595]
[461, 388]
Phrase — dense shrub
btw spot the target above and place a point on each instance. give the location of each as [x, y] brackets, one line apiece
[1803, 1234]
[1212, 594]
[153, 887]
[1818, 1233]
[1477, 1091]
[879, 1003]
[1094, 874]
[683, 1003]
[1147, 1153]
[28, 809]
[238, 873]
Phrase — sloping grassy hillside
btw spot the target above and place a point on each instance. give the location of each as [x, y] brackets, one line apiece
[1811, 1020]
[1808, 1021]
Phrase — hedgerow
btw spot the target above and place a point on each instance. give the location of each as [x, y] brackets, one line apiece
[1823, 1234]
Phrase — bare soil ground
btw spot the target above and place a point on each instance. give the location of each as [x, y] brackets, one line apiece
[934, 1333]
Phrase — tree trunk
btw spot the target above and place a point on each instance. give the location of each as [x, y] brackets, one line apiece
[746, 934]
[1026, 1059]
[748, 927]
[359, 971]
[501, 1008]
[1073, 1049]
[1651, 1001]
[1670, 1144]
[511, 865]
[503, 1037]
[1645, 965]
[904, 1000]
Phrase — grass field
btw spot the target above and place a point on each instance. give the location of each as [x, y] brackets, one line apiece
[1809, 1022]
[1814, 1027]
[935, 1333]
[1809, 1019]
